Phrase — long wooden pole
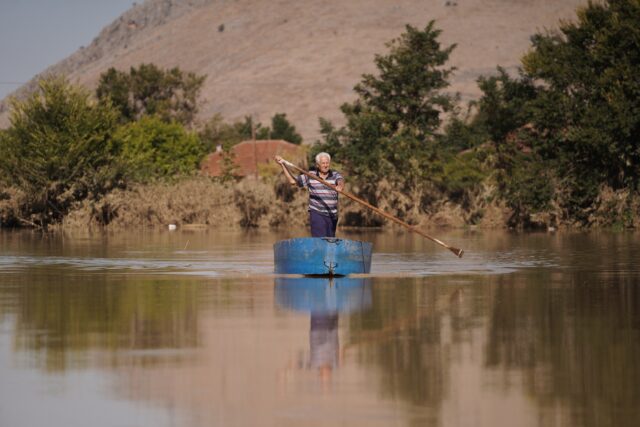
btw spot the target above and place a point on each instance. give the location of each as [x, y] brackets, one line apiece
[456, 251]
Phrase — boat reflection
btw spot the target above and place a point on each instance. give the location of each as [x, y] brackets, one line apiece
[325, 299]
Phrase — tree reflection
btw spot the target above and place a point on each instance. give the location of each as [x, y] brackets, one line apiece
[409, 335]
[576, 339]
[61, 317]
[566, 341]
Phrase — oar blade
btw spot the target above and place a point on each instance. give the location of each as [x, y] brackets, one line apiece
[457, 252]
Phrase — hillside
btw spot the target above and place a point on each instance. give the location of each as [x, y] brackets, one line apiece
[303, 57]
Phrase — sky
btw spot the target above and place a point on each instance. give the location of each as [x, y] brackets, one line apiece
[35, 34]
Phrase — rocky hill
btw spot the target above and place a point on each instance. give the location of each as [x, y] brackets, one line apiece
[303, 57]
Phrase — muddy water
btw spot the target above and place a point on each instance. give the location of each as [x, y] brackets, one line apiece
[191, 328]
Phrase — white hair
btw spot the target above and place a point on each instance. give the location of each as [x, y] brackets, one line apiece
[321, 155]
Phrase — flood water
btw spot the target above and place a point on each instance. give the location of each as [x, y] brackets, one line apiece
[192, 328]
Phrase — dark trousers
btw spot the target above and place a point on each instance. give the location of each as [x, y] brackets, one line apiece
[322, 226]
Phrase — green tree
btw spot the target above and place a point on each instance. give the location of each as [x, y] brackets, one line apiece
[524, 176]
[569, 124]
[218, 133]
[148, 90]
[587, 110]
[59, 149]
[502, 109]
[460, 135]
[152, 149]
[4, 179]
[248, 129]
[407, 92]
[115, 87]
[281, 128]
[392, 126]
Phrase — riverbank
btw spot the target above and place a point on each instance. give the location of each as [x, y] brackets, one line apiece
[249, 203]
[271, 203]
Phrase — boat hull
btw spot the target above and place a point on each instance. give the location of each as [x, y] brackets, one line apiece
[325, 256]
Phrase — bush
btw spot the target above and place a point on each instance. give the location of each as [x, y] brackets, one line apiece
[461, 175]
[152, 149]
[59, 149]
[253, 202]
[12, 202]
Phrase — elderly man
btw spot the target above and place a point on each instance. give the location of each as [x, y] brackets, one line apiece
[323, 201]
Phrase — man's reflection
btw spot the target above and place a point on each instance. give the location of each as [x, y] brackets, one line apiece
[325, 300]
[324, 343]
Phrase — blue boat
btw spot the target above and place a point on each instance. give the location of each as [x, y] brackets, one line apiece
[322, 256]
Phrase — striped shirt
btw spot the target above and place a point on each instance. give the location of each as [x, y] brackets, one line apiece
[322, 199]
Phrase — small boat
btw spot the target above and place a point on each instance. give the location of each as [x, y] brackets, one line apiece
[322, 256]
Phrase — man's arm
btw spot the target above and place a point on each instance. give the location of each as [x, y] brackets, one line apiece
[290, 178]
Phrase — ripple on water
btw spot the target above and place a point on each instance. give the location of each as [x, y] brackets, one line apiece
[260, 262]
[421, 264]
[200, 263]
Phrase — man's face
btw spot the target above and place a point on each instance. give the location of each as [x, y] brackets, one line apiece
[323, 165]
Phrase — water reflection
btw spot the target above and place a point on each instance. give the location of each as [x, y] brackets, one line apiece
[60, 318]
[411, 337]
[555, 343]
[574, 340]
[324, 299]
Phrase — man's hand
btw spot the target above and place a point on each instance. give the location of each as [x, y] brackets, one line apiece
[340, 185]
[282, 161]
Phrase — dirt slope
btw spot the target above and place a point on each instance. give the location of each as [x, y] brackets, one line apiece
[303, 57]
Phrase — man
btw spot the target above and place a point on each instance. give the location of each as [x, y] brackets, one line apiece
[323, 201]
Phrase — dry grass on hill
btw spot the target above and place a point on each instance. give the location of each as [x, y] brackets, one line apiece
[303, 57]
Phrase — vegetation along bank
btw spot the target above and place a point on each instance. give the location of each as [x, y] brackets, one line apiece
[555, 146]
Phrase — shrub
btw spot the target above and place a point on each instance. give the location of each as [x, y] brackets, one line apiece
[253, 202]
[151, 149]
[59, 149]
